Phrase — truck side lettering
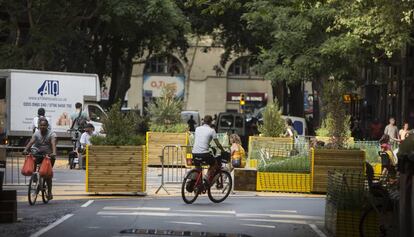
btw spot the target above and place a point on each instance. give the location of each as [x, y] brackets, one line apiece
[49, 87]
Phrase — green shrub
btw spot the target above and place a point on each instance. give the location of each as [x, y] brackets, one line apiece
[179, 127]
[132, 140]
[165, 111]
[273, 123]
[294, 164]
[120, 129]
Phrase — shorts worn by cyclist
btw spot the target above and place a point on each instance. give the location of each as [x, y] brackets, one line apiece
[202, 137]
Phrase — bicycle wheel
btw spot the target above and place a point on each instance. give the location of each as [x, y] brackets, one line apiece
[45, 191]
[189, 189]
[378, 221]
[220, 186]
[33, 188]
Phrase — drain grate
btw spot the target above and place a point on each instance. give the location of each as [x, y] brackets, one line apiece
[178, 233]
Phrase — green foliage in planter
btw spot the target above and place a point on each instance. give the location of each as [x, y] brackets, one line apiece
[165, 111]
[273, 123]
[293, 164]
[336, 125]
[131, 140]
[178, 128]
[120, 129]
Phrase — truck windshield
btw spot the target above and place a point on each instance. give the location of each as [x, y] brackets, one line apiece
[95, 113]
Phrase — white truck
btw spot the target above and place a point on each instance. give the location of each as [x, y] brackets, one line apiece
[23, 92]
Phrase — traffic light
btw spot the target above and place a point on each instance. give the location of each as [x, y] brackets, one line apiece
[242, 99]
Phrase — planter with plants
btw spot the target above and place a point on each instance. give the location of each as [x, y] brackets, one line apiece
[166, 127]
[280, 167]
[336, 154]
[116, 162]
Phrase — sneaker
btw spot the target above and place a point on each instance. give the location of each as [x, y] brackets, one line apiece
[50, 196]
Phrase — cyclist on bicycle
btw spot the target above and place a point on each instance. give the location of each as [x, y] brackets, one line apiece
[44, 141]
[202, 138]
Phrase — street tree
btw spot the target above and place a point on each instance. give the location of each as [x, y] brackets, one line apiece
[100, 36]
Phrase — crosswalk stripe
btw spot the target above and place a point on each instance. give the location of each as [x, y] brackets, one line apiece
[285, 211]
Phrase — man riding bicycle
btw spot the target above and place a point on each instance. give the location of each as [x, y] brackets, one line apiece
[202, 138]
[44, 141]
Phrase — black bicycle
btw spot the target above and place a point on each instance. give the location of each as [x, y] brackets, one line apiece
[38, 184]
[73, 155]
[218, 186]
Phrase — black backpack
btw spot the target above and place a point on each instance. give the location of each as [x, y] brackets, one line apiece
[81, 121]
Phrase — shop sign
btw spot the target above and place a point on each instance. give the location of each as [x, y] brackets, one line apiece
[249, 97]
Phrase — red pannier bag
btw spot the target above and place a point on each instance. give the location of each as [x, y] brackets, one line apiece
[28, 166]
[46, 170]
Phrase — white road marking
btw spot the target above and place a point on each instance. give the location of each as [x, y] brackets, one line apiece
[51, 226]
[278, 221]
[138, 208]
[285, 211]
[317, 230]
[94, 227]
[260, 226]
[160, 214]
[185, 223]
[205, 211]
[86, 204]
[282, 216]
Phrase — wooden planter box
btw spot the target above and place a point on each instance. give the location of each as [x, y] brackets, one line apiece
[115, 169]
[156, 142]
[245, 179]
[324, 160]
[284, 182]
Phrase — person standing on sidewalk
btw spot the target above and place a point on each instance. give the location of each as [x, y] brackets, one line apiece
[404, 131]
[392, 131]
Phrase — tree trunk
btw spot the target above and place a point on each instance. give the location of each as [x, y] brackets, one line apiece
[280, 93]
[296, 105]
[318, 103]
[115, 70]
[122, 68]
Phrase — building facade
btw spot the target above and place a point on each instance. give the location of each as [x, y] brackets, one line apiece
[199, 80]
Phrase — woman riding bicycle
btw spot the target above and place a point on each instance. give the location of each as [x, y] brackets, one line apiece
[44, 141]
[202, 138]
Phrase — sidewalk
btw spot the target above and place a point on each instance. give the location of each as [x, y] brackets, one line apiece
[70, 185]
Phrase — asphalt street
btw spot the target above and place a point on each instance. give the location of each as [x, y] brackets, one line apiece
[251, 216]
[73, 212]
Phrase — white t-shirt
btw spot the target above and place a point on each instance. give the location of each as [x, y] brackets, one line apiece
[85, 139]
[203, 135]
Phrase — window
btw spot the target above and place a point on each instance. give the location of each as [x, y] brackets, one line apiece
[226, 121]
[239, 122]
[242, 67]
[164, 65]
[95, 113]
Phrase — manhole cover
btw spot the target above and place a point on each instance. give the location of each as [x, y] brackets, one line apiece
[178, 233]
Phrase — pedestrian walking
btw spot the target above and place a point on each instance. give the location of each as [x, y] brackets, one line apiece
[392, 131]
[191, 124]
